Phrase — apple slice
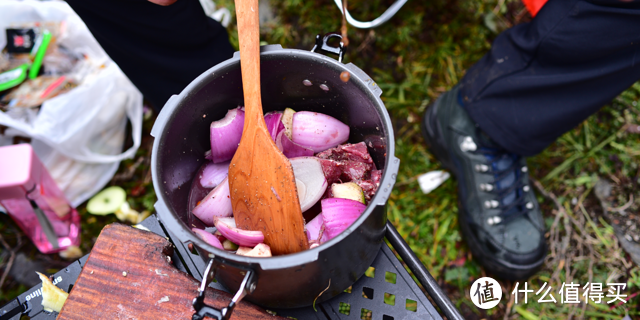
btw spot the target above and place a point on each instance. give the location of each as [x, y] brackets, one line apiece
[107, 201]
[53, 298]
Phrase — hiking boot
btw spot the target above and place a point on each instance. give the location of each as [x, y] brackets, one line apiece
[498, 213]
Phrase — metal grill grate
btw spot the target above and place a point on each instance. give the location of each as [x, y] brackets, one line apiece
[385, 292]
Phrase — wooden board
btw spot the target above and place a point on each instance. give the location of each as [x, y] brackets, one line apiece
[152, 288]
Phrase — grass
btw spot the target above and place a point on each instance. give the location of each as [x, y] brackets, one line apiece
[422, 52]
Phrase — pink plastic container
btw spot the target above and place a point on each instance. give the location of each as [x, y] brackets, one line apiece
[34, 201]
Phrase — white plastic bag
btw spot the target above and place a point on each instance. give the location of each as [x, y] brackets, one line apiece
[222, 15]
[78, 135]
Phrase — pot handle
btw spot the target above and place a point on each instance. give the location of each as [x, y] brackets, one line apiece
[377, 21]
[322, 46]
[247, 286]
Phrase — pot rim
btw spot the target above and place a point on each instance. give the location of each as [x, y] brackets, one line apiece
[184, 233]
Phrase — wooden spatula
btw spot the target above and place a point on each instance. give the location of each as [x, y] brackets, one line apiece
[261, 181]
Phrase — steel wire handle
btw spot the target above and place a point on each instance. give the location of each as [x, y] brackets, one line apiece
[377, 21]
[203, 310]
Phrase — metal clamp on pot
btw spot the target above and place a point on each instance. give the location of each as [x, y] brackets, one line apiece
[323, 46]
[247, 286]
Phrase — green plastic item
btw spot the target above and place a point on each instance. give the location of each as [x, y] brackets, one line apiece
[38, 53]
[13, 77]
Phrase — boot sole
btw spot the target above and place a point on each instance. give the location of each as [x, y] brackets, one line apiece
[505, 270]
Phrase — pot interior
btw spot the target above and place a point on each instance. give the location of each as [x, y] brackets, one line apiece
[285, 77]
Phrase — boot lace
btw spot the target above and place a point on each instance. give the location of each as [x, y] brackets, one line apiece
[518, 205]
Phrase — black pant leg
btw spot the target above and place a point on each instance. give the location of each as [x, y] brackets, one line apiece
[543, 78]
[161, 49]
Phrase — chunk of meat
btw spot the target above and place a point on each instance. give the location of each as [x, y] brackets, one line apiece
[348, 152]
[332, 170]
[376, 176]
[368, 188]
[351, 162]
[355, 170]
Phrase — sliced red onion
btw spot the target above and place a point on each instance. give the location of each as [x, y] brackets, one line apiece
[310, 180]
[216, 204]
[318, 131]
[245, 238]
[208, 155]
[291, 149]
[226, 134]
[274, 123]
[315, 231]
[230, 221]
[213, 174]
[196, 193]
[208, 238]
[338, 214]
[287, 121]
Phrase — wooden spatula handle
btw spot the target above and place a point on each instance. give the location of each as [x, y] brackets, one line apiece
[261, 182]
[249, 38]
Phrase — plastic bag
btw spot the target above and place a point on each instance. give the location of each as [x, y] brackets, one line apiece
[222, 15]
[78, 135]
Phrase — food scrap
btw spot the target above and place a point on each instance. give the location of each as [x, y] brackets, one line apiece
[53, 298]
